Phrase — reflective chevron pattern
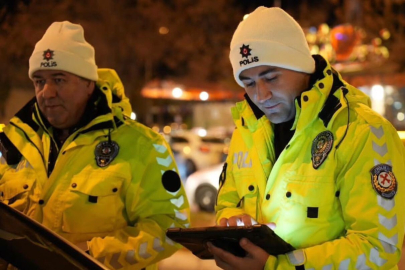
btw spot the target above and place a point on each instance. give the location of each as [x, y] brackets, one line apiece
[178, 202]
[114, 261]
[101, 259]
[130, 257]
[327, 267]
[361, 263]
[388, 222]
[296, 257]
[181, 216]
[375, 258]
[389, 244]
[169, 241]
[344, 264]
[143, 251]
[157, 245]
[165, 160]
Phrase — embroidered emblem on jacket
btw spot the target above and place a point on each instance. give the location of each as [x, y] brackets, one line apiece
[321, 147]
[240, 159]
[106, 152]
[383, 181]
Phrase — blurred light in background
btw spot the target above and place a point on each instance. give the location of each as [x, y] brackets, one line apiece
[378, 99]
[186, 150]
[204, 96]
[167, 129]
[133, 115]
[384, 52]
[245, 17]
[397, 105]
[377, 41]
[202, 132]
[314, 49]
[385, 34]
[155, 128]
[324, 28]
[389, 90]
[163, 30]
[177, 92]
[377, 92]
[400, 116]
[401, 134]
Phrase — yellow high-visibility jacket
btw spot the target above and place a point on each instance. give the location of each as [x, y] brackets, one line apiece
[122, 209]
[337, 190]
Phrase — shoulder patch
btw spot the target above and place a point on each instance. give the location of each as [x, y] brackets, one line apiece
[384, 181]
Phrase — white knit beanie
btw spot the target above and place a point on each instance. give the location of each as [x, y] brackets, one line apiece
[269, 36]
[63, 47]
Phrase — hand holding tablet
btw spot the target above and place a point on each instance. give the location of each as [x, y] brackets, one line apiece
[227, 238]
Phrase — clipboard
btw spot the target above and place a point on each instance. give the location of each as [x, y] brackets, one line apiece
[26, 244]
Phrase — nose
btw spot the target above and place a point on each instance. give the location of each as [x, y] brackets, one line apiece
[49, 91]
[263, 93]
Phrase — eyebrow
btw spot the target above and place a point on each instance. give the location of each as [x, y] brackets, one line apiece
[58, 74]
[269, 70]
[53, 75]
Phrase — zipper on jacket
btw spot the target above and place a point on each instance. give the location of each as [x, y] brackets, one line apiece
[240, 203]
[222, 178]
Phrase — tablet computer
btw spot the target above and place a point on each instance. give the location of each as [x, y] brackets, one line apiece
[227, 238]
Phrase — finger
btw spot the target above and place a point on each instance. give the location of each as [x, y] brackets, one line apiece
[223, 255]
[253, 221]
[223, 222]
[233, 221]
[252, 249]
[272, 225]
[221, 264]
[247, 220]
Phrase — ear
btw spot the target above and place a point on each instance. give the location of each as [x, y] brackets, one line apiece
[91, 85]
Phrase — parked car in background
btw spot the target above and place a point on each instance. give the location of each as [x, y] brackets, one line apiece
[202, 187]
[194, 152]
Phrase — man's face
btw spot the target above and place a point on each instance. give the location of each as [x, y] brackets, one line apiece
[274, 89]
[62, 97]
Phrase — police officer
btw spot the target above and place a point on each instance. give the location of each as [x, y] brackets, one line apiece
[309, 156]
[74, 161]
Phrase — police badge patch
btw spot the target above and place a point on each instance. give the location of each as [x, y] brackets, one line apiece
[321, 147]
[106, 152]
[383, 181]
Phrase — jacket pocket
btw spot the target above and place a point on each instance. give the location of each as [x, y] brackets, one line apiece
[16, 187]
[248, 192]
[305, 202]
[93, 203]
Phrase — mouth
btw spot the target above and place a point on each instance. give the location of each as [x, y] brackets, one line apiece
[271, 107]
[52, 107]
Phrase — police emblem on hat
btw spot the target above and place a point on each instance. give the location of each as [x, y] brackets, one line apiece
[245, 51]
[48, 55]
[321, 147]
[106, 152]
[383, 181]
